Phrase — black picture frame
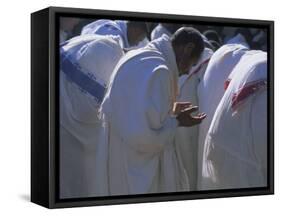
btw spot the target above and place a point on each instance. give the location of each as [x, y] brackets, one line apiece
[45, 107]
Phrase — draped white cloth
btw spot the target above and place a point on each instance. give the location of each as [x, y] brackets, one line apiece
[235, 150]
[142, 154]
[211, 89]
[108, 27]
[158, 31]
[83, 137]
[117, 28]
[187, 138]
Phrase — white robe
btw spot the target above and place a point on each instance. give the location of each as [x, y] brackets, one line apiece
[235, 150]
[142, 155]
[117, 28]
[108, 27]
[83, 137]
[158, 31]
[187, 138]
[211, 89]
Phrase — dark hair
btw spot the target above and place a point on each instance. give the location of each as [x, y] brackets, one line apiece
[215, 45]
[212, 35]
[140, 25]
[187, 35]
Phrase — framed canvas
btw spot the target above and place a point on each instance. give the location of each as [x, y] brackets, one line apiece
[131, 107]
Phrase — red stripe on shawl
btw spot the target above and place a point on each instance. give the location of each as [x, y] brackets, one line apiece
[247, 90]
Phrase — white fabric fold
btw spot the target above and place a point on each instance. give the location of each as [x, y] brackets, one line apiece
[211, 89]
[235, 149]
[137, 105]
[187, 138]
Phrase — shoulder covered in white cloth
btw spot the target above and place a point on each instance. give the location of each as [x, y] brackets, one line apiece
[145, 79]
[108, 27]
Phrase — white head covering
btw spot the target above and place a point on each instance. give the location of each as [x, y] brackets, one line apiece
[99, 58]
[105, 27]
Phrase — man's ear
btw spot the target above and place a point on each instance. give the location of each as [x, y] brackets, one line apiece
[188, 48]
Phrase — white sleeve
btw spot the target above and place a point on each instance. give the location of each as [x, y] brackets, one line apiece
[161, 125]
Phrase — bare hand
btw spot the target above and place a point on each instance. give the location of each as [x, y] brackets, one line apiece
[180, 106]
[185, 118]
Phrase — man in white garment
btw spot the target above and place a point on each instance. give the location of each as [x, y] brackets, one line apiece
[132, 33]
[187, 138]
[86, 65]
[143, 116]
[212, 88]
[235, 150]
